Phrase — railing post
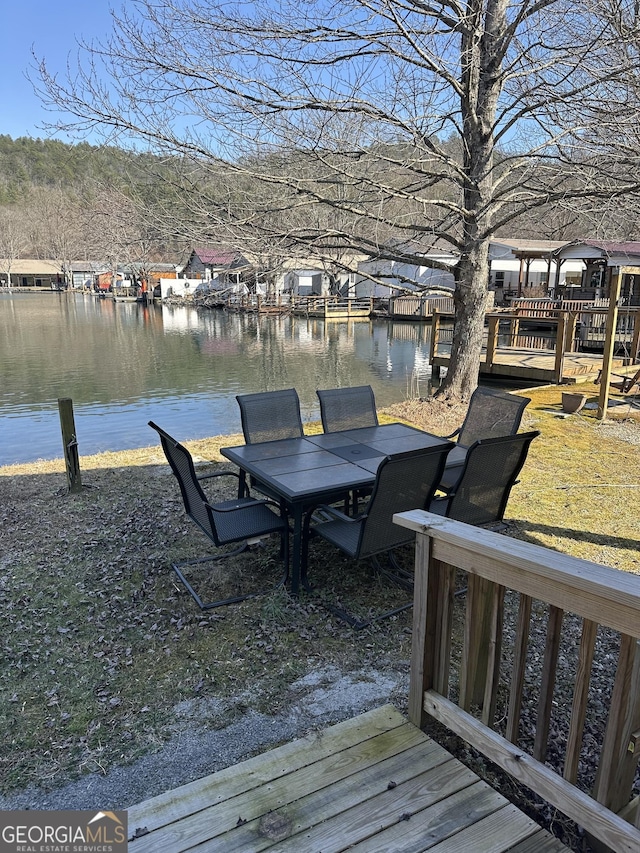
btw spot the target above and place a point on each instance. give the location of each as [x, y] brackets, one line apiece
[560, 339]
[514, 330]
[70, 444]
[570, 334]
[492, 340]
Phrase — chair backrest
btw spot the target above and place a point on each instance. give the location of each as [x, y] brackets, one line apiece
[404, 481]
[489, 472]
[195, 500]
[491, 413]
[270, 415]
[347, 408]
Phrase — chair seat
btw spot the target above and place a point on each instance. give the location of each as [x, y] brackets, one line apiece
[344, 536]
[255, 520]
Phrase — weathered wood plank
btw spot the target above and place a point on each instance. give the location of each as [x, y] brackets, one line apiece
[331, 806]
[396, 790]
[540, 842]
[490, 699]
[426, 592]
[435, 823]
[618, 765]
[493, 834]
[172, 805]
[279, 791]
[378, 812]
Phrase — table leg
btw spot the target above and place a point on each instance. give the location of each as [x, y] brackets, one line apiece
[296, 555]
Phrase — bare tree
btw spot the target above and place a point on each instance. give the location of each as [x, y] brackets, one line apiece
[374, 125]
[12, 241]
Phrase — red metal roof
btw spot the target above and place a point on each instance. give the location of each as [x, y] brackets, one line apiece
[614, 247]
[216, 258]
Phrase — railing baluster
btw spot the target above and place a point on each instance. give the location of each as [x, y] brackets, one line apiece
[550, 662]
[519, 665]
[580, 697]
[493, 657]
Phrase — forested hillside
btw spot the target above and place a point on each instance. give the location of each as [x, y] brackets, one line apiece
[82, 202]
[27, 164]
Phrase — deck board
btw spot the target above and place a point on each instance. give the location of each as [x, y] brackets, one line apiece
[373, 783]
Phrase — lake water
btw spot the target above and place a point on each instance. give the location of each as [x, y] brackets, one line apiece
[125, 364]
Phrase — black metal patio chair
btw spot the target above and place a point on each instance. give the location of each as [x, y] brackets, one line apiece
[269, 416]
[490, 413]
[404, 481]
[347, 408]
[243, 520]
[490, 470]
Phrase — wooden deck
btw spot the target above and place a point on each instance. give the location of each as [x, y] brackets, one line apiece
[372, 783]
[537, 365]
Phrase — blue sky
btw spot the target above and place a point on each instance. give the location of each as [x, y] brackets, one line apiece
[51, 29]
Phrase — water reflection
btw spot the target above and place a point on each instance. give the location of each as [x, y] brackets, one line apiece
[124, 364]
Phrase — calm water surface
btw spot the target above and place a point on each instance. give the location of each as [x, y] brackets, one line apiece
[125, 364]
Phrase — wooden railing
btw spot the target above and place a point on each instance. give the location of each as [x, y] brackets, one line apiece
[478, 599]
[332, 306]
[419, 306]
[561, 342]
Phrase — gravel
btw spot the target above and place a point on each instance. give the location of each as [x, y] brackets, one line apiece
[320, 699]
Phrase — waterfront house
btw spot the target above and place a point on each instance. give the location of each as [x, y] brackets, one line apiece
[221, 267]
[83, 275]
[31, 273]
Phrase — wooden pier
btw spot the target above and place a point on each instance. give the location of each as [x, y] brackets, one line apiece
[524, 357]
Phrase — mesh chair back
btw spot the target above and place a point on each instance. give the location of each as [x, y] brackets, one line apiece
[489, 473]
[491, 413]
[347, 408]
[181, 464]
[405, 481]
[270, 415]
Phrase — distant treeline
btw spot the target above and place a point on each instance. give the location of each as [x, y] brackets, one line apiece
[26, 164]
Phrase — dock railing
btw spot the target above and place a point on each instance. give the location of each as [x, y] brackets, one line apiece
[478, 599]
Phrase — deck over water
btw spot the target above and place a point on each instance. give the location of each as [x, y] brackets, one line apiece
[538, 365]
[372, 783]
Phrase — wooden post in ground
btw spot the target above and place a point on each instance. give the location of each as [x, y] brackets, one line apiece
[70, 444]
[609, 344]
[433, 348]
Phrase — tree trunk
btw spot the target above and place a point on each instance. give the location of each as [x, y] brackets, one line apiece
[481, 76]
[470, 300]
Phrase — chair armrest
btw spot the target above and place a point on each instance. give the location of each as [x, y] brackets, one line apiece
[218, 474]
[337, 514]
[453, 434]
[242, 504]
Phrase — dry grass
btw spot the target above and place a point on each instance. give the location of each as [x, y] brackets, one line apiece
[100, 644]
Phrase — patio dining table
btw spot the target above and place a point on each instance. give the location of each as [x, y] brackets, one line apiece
[314, 469]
